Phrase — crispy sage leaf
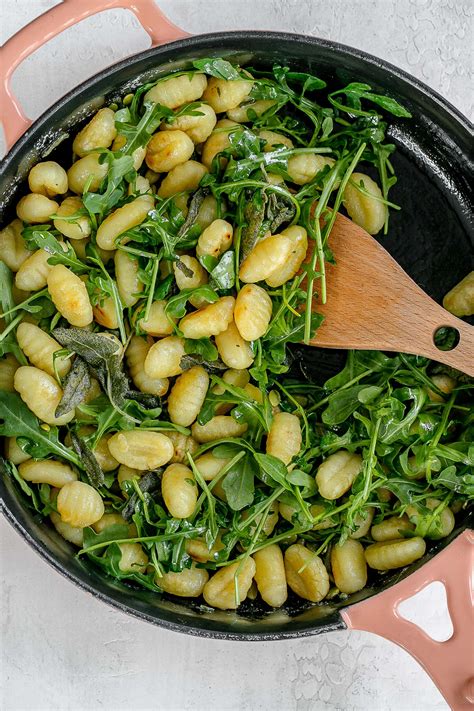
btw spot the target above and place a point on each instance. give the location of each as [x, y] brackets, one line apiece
[193, 209]
[150, 483]
[191, 359]
[91, 465]
[76, 384]
[102, 356]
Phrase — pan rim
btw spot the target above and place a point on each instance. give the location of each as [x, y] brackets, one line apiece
[341, 50]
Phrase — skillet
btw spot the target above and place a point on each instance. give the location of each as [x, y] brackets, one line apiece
[431, 238]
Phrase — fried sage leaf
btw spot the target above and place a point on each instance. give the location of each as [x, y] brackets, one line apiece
[91, 465]
[150, 483]
[76, 384]
[102, 355]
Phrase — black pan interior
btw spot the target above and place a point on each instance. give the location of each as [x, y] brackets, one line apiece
[431, 238]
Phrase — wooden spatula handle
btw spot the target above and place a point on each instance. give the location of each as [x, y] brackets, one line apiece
[372, 304]
[462, 356]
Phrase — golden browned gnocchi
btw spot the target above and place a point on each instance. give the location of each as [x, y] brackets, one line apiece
[33, 272]
[40, 348]
[179, 490]
[189, 582]
[87, 171]
[268, 256]
[157, 323]
[41, 393]
[69, 295]
[79, 504]
[123, 219]
[306, 574]
[198, 126]
[219, 591]
[224, 95]
[184, 177]
[167, 149]
[154, 410]
[163, 360]
[98, 133]
[175, 91]
[210, 320]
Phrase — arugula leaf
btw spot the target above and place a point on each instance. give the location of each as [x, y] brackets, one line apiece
[238, 484]
[215, 67]
[223, 274]
[457, 482]
[115, 532]
[138, 134]
[202, 347]
[8, 343]
[176, 306]
[272, 470]
[119, 166]
[356, 91]
[43, 237]
[16, 420]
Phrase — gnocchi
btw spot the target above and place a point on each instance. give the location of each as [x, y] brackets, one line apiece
[167, 149]
[253, 311]
[337, 473]
[460, 299]
[69, 295]
[41, 393]
[48, 178]
[219, 591]
[13, 249]
[79, 504]
[141, 449]
[136, 354]
[187, 396]
[306, 574]
[284, 438]
[179, 490]
[364, 203]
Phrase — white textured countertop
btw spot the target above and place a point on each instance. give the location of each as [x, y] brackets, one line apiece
[64, 650]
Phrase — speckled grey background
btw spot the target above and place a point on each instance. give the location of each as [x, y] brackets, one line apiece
[62, 650]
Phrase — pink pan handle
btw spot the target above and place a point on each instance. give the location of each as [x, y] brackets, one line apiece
[450, 664]
[52, 23]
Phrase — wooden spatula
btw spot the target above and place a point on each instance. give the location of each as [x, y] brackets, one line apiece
[373, 304]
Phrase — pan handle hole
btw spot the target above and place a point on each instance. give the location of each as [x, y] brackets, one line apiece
[428, 610]
[446, 338]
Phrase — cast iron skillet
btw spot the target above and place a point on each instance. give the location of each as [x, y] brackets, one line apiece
[431, 238]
